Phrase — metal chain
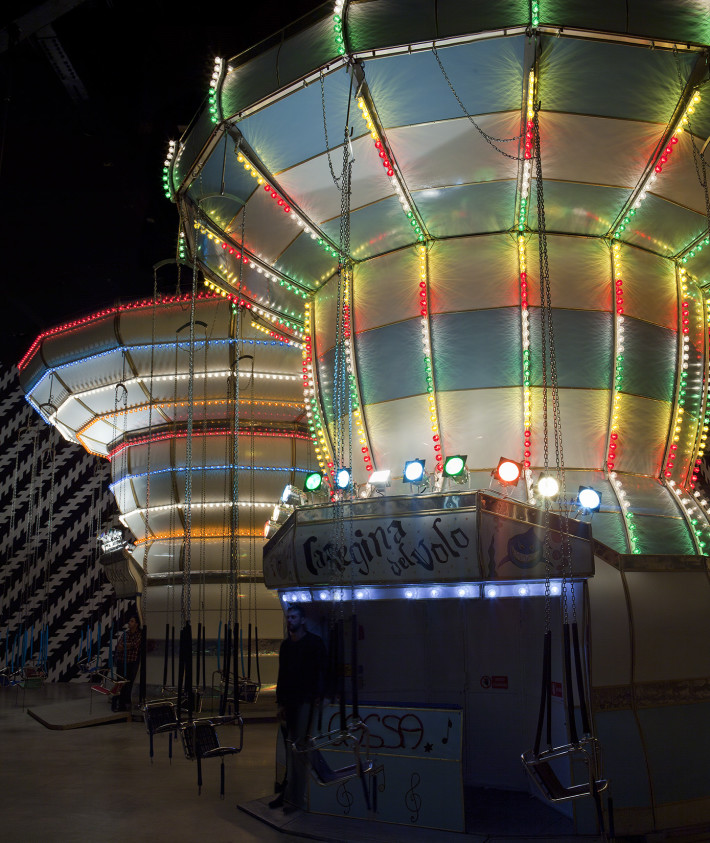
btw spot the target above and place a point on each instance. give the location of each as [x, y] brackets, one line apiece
[336, 179]
[547, 332]
[489, 139]
[187, 563]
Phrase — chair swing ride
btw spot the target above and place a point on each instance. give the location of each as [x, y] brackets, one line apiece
[486, 153]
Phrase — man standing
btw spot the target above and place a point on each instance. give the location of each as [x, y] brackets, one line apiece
[299, 688]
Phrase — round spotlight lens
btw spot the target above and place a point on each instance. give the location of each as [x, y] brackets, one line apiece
[342, 478]
[491, 591]
[508, 471]
[548, 487]
[414, 471]
[589, 498]
[523, 590]
[313, 482]
[323, 595]
[454, 466]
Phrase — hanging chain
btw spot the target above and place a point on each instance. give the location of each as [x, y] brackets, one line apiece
[187, 563]
[148, 453]
[489, 139]
[336, 179]
[547, 333]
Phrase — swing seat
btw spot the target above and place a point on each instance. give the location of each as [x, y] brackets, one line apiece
[350, 739]
[9, 679]
[200, 739]
[160, 716]
[107, 684]
[248, 690]
[539, 767]
[32, 677]
[325, 775]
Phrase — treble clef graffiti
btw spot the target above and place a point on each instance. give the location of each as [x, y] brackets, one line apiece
[412, 799]
[345, 798]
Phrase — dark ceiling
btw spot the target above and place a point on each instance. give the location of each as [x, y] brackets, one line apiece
[91, 93]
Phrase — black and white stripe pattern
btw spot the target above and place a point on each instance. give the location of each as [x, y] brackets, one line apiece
[54, 581]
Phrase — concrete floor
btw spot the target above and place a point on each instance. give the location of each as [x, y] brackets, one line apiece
[97, 783]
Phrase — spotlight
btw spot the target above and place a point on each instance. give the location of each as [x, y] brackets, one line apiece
[280, 514]
[413, 471]
[379, 479]
[523, 590]
[314, 482]
[270, 529]
[491, 591]
[455, 467]
[589, 499]
[508, 472]
[342, 478]
[548, 486]
[292, 496]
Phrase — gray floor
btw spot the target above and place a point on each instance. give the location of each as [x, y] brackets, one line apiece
[97, 783]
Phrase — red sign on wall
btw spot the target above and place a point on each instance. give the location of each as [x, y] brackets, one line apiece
[557, 689]
[500, 683]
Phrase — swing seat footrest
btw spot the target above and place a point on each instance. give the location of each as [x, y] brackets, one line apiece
[547, 780]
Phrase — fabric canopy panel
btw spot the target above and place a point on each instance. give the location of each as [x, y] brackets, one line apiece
[458, 210]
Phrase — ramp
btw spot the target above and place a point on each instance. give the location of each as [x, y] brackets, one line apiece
[75, 714]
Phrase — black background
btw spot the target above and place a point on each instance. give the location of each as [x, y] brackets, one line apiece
[83, 216]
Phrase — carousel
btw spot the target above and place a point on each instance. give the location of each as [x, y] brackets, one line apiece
[470, 246]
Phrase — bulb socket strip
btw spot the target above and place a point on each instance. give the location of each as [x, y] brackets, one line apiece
[629, 518]
[618, 358]
[285, 204]
[339, 26]
[103, 314]
[180, 469]
[314, 416]
[524, 204]
[658, 166]
[196, 534]
[694, 516]
[423, 303]
[221, 241]
[50, 418]
[350, 369]
[523, 208]
[249, 304]
[109, 416]
[167, 168]
[259, 433]
[213, 99]
[175, 507]
[680, 416]
[390, 168]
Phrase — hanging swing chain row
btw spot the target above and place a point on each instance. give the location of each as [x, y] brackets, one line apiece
[548, 347]
[489, 139]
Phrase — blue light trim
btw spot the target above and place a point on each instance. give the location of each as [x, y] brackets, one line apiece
[181, 468]
[420, 591]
